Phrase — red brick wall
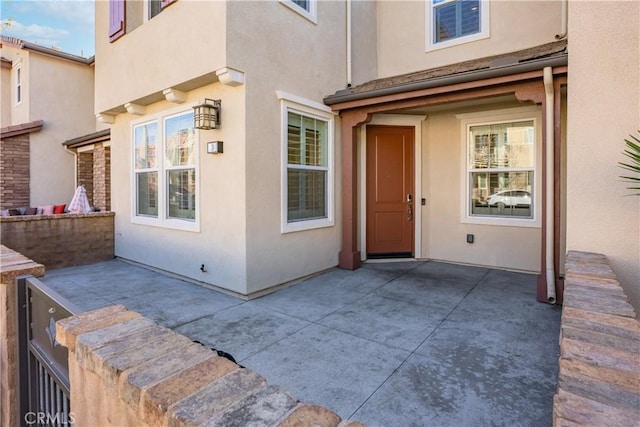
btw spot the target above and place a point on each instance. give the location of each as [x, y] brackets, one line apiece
[14, 172]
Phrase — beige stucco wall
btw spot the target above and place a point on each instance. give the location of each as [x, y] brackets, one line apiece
[514, 25]
[220, 243]
[7, 96]
[60, 93]
[604, 108]
[444, 229]
[18, 112]
[185, 41]
[311, 70]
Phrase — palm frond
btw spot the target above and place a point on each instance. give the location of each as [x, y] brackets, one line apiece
[632, 152]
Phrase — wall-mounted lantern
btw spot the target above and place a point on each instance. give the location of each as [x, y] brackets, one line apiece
[207, 115]
[214, 147]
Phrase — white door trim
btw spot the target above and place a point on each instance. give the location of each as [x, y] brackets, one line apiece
[392, 120]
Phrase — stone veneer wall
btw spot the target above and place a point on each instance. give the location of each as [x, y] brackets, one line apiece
[102, 177]
[14, 172]
[84, 174]
[61, 240]
[126, 370]
[12, 265]
[599, 367]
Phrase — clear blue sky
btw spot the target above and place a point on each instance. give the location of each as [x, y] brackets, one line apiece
[65, 24]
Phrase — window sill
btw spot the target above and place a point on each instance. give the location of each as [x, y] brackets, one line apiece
[172, 224]
[292, 227]
[502, 222]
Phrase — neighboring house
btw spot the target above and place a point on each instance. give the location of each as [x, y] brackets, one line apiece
[47, 98]
[348, 134]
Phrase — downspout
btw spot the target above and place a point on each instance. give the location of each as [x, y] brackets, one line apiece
[348, 43]
[549, 183]
[564, 18]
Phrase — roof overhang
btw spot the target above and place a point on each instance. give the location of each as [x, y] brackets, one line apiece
[92, 138]
[472, 75]
[21, 129]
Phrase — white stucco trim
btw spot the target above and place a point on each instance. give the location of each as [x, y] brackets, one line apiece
[533, 113]
[308, 108]
[311, 14]
[163, 221]
[393, 120]
[485, 28]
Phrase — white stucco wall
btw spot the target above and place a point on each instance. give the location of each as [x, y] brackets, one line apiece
[514, 25]
[604, 108]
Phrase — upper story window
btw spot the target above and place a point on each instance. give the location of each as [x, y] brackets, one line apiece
[118, 10]
[18, 85]
[306, 8]
[307, 173]
[165, 172]
[453, 22]
[154, 7]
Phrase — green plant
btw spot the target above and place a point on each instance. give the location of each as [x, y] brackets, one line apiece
[633, 153]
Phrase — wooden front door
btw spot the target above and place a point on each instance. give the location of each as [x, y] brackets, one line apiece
[390, 195]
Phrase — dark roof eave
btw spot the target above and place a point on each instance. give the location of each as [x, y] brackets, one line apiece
[92, 138]
[485, 73]
[21, 129]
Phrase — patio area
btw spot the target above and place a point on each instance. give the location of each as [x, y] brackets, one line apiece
[397, 343]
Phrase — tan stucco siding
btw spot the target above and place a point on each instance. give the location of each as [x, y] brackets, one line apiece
[514, 25]
[185, 41]
[293, 55]
[220, 242]
[17, 113]
[443, 224]
[7, 98]
[604, 108]
[62, 96]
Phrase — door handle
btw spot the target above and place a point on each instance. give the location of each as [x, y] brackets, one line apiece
[409, 207]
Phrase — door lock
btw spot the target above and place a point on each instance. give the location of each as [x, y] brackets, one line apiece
[409, 198]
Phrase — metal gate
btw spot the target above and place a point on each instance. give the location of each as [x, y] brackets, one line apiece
[43, 371]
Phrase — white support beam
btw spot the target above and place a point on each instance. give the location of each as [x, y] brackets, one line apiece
[230, 77]
[175, 95]
[136, 109]
[106, 118]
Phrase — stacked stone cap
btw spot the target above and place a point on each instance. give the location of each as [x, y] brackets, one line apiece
[13, 264]
[165, 379]
[599, 367]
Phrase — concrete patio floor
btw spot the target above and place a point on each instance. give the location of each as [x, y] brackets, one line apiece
[390, 344]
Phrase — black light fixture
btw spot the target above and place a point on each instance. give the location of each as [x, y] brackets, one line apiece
[207, 115]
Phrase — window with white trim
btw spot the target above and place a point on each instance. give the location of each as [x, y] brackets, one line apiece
[307, 175]
[306, 8]
[18, 85]
[501, 169]
[453, 22]
[165, 171]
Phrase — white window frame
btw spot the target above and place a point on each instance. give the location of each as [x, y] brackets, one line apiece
[431, 44]
[509, 115]
[305, 107]
[311, 14]
[163, 220]
[18, 86]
